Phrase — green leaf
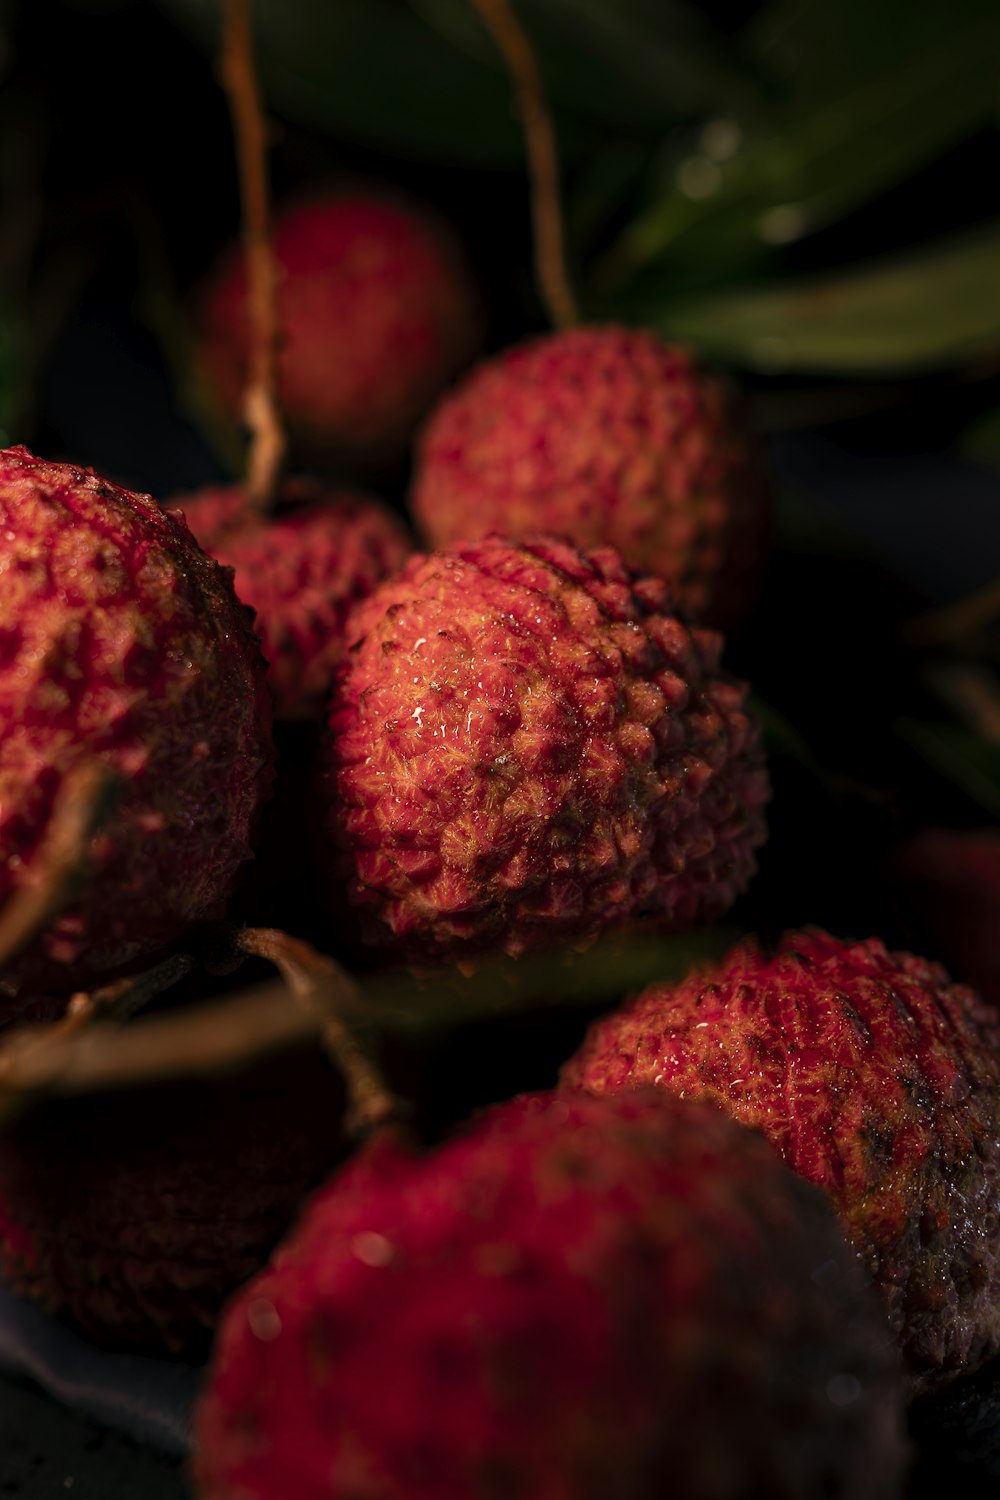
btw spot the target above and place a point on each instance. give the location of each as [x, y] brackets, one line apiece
[924, 310]
[423, 79]
[820, 161]
[968, 762]
[636, 65]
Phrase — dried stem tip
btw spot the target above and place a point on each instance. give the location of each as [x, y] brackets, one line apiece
[324, 989]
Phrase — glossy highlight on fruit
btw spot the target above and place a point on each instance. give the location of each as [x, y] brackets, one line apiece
[875, 1078]
[300, 569]
[527, 745]
[605, 435]
[122, 645]
[563, 1303]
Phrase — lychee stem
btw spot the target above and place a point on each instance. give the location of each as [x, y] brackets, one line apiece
[543, 159]
[85, 800]
[322, 986]
[124, 997]
[261, 409]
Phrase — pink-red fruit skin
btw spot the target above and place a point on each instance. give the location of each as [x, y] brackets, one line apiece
[376, 310]
[527, 746]
[135, 1215]
[300, 569]
[875, 1078]
[122, 645]
[605, 435]
[576, 1299]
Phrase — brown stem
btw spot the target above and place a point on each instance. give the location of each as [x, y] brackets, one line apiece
[85, 799]
[39, 1057]
[263, 417]
[124, 997]
[231, 1032]
[323, 990]
[543, 159]
[955, 623]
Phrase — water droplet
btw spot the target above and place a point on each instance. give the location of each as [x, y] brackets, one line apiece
[372, 1249]
[698, 178]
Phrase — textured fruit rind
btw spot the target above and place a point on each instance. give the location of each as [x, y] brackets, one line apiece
[875, 1078]
[136, 1215]
[300, 569]
[564, 1304]
[528, 745]
[122, 643]
[377, 313]
[605, 435]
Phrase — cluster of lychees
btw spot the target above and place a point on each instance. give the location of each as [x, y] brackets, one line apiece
[525, 738]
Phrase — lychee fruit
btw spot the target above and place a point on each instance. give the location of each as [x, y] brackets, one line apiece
[605, 435]
[528, 746]
[300, 569]
[569, 1301]
[135, 1215]
[949, 884]
[875, 1078]
[377, 313]
[123, 645]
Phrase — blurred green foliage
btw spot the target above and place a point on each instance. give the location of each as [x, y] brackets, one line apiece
[698, 159]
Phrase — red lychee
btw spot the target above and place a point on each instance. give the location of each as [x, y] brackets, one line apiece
[300, 569]
[605, 435]
[377, 313]
[950, 885]
[135, 1215]
[528, 746]
[875, 1078]
[122, 644]
[574, 1300]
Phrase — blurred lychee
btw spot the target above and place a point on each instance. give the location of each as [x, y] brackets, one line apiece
[134, 1215]
[574, 1299]
[377, 313]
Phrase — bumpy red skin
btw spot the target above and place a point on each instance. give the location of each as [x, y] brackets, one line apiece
[876, 1079]
[300, 569]
[573, 1301]
[528, 746]
[136, 1215]
[605, 435]
[122, 643]
[950, 884]
[377, 314]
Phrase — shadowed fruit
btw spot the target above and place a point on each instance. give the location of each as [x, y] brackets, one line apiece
[875, 1078]
[300, 569]
[577, 1298]
[135, 1215]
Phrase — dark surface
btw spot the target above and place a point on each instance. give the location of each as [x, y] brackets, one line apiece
[48, 1452]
